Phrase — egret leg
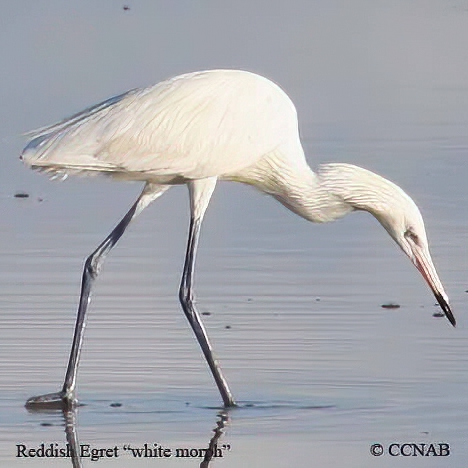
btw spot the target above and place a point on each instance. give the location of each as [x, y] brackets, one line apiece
[91, 270]
[200, 194]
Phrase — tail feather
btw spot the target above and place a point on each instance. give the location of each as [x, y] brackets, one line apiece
[77, 155]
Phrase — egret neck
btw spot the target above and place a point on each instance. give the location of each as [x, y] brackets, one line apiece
[337, 189]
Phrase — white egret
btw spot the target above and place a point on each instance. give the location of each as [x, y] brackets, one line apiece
[196, 129]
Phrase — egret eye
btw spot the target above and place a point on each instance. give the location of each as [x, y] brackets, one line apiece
[409, 234]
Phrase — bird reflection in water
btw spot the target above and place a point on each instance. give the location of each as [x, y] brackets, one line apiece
[72, 440]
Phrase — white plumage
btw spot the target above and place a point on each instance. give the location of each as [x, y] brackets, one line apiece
[193, 126]
[195, 129]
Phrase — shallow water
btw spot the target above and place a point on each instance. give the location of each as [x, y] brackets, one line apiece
[320, 370]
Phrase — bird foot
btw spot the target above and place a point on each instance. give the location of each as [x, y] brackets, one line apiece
[60, 400]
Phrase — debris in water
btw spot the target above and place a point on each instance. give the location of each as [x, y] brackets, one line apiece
[206, 313]
[390, 305]
[227, 327]
[21, 195]
[116, 404]
[126, 8]
[438, 314]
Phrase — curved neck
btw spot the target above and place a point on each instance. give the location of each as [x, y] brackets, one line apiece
[308, 195]
[361, 189]
[335, 190]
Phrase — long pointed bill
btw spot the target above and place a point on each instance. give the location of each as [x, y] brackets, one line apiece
[423, 263]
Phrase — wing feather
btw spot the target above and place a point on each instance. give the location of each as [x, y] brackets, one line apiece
[196, 125]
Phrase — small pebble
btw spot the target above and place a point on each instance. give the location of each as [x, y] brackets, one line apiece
[390, 305]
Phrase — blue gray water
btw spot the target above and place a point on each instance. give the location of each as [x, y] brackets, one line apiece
[320, 369]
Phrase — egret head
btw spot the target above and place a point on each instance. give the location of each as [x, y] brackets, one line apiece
[403, 221]
[360, 189]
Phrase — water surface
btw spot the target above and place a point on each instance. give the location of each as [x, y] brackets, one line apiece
[320, 370]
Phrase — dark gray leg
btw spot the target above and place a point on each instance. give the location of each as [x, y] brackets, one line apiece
[92, 268]
[200, 194]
